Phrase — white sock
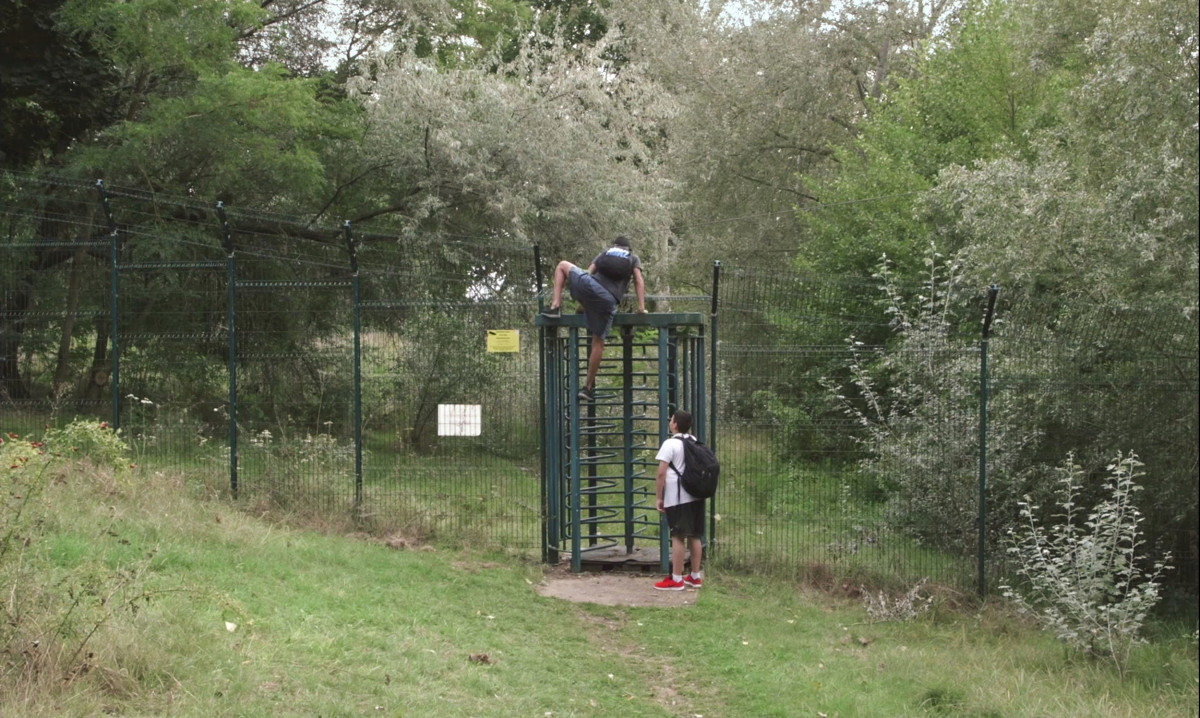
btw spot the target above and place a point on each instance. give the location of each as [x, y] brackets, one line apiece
[676, 577]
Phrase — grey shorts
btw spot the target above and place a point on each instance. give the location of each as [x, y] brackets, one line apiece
[599, 307]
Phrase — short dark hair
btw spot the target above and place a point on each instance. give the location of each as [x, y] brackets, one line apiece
[683, 421]
[622, 241]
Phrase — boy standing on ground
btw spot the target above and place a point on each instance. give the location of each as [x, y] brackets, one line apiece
[685, 513]
[600, 289]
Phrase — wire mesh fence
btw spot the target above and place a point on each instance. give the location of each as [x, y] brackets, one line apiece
[1091, 383]
[392, 379]
[302, 367]
[828, 479]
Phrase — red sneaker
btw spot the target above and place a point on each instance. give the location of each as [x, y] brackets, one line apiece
[692, 582]
[669, 584]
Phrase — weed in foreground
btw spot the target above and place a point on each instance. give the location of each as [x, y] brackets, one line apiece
[1086, 576]
[56, 606]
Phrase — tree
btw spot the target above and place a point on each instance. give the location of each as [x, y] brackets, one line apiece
[1093, 230]
[554, 148]
[151, 94]
[56, 86]
[1046, 148]
[1115, 181]
[214, 104]
[970, 98]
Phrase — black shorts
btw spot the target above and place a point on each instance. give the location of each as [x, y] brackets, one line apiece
[686, 519]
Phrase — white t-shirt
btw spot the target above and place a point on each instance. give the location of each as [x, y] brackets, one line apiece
[672, 453]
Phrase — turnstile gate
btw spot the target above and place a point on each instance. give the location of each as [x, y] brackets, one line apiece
[598, 465]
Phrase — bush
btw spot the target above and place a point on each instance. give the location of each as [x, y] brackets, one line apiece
[915, 403]
[91, 439]
[1086, 577]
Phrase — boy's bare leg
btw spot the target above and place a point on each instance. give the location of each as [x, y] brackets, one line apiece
[677, 555]
[697, 548]
[561, 272]
[594, 358]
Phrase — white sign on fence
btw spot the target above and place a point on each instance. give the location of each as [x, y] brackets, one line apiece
[460, 419]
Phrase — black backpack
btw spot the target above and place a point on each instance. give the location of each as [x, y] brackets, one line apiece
[701, 469]
[616, 264]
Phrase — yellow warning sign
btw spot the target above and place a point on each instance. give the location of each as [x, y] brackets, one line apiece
[503, 340]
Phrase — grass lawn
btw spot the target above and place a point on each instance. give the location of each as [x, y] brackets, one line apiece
[138, 594]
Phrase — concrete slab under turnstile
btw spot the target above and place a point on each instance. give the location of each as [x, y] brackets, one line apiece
[640, 560]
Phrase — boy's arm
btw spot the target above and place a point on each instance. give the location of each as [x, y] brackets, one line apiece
[639, 284]
[660, 485]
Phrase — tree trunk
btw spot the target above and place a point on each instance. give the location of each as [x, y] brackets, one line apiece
[16, 302]
[62, 365]
[97, 377]
[12, 329]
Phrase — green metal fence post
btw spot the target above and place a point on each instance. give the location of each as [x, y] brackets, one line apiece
[712, 396]
[231, 304]
[627, 433]
[983, 406]
[554, 484]
[574, 448]
[664, 418]
[356, 280]
[114, 304]
[543, 433]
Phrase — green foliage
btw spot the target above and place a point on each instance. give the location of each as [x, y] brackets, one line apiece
[441, 363]
[1091, 231]
[161, 36]
[481, 31]
[303, 474]
[56, 605]
[254, 135]
[797, 434]
[1102, 205]
[555, 147]
[57, 86]
[1046, 147]
[971, 98]
[24, 466]
[1088, 577]
[916, 404]
[90, 439]
[29, 465]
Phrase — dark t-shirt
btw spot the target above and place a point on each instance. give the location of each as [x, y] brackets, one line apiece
[615, 287]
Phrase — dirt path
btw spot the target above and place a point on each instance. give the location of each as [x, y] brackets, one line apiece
[611, 634]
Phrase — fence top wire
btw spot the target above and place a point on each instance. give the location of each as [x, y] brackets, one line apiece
[158, 232]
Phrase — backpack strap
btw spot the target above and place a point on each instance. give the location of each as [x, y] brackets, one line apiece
[678, 473]
[678, 481]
